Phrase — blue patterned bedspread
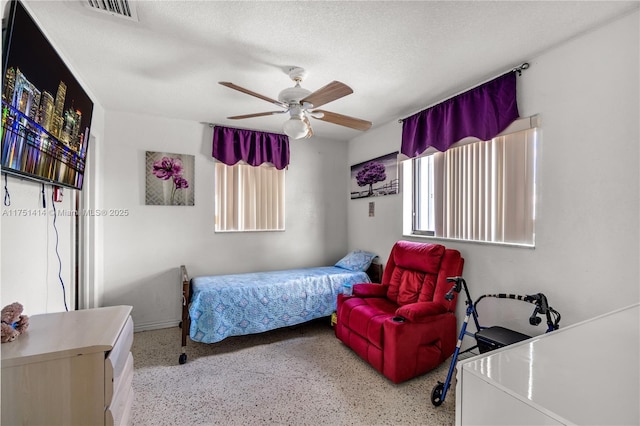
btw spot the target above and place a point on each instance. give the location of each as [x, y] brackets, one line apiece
[238, 304]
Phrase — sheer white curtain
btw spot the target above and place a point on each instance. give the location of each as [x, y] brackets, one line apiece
[486, 190]
[249, 198]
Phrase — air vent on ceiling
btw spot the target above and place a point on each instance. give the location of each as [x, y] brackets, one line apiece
[121, 8]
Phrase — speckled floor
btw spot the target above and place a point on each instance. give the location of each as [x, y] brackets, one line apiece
[291, 376]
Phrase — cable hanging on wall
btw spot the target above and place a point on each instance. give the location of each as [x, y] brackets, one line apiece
[7, 196]
[55, 228]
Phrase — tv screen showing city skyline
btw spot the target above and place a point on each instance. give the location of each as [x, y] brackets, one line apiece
[46, 114]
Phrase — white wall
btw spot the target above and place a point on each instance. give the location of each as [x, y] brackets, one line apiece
[143, 251]
[29, 263]
[587, 229]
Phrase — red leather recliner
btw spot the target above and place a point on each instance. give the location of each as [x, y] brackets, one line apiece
[404, 327]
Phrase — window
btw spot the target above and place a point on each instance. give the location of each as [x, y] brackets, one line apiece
[249, 198]
[481, 191]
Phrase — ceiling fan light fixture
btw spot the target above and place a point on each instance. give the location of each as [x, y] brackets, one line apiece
[295, 128]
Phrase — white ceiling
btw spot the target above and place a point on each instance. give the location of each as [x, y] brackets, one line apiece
[397, 56]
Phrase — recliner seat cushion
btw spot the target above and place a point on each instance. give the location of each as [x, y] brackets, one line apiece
[365, 317]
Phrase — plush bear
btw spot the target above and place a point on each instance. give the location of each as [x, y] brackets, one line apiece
[13, 322]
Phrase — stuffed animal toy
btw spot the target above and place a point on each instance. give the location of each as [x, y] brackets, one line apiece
[13, 322]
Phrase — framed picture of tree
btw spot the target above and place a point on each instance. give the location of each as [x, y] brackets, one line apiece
[375, 177]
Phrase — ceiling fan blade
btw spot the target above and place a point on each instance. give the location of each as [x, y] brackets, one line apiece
[343, 120]
[330, 92]
[249, 92]
[258, 114]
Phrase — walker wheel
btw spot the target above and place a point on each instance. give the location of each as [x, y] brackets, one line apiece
[436, 394]
[182, 359]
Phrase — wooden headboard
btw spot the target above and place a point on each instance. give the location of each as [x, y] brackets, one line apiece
[186, 298]
[375, 272]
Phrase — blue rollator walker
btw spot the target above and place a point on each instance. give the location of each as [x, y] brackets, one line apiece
[489, 338]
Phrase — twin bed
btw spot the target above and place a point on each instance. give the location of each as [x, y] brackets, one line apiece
[219, 306]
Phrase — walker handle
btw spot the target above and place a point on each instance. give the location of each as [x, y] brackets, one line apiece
[456, 287]
[542, 307]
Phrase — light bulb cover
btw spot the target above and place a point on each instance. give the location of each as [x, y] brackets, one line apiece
[295, 128]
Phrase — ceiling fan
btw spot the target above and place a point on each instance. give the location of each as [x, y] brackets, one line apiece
[300, 104]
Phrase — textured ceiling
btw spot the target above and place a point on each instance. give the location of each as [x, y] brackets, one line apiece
[397, 56]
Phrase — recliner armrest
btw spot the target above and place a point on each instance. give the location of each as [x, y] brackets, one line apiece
[370, 290]
[420, 310]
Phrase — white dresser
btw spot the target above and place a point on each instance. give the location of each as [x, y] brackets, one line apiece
[70, 368]
[587, 373]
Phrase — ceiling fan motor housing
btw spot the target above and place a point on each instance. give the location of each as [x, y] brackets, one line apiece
[293, 95]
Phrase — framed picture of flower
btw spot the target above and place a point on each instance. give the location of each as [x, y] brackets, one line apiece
[169, 179]
[375, 177]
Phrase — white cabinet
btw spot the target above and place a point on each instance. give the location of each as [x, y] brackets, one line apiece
[70, 368]
[587, 373]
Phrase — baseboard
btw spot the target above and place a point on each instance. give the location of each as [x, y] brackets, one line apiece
[155, 325]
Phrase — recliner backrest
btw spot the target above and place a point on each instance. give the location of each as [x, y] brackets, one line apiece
[412, 272]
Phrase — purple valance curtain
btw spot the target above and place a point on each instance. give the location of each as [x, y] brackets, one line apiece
[482, 112]
[231, 145]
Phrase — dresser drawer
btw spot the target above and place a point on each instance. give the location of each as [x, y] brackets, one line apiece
[119, 412]
[116, 361]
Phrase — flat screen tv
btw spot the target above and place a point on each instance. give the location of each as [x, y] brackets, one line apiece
[46, 115]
